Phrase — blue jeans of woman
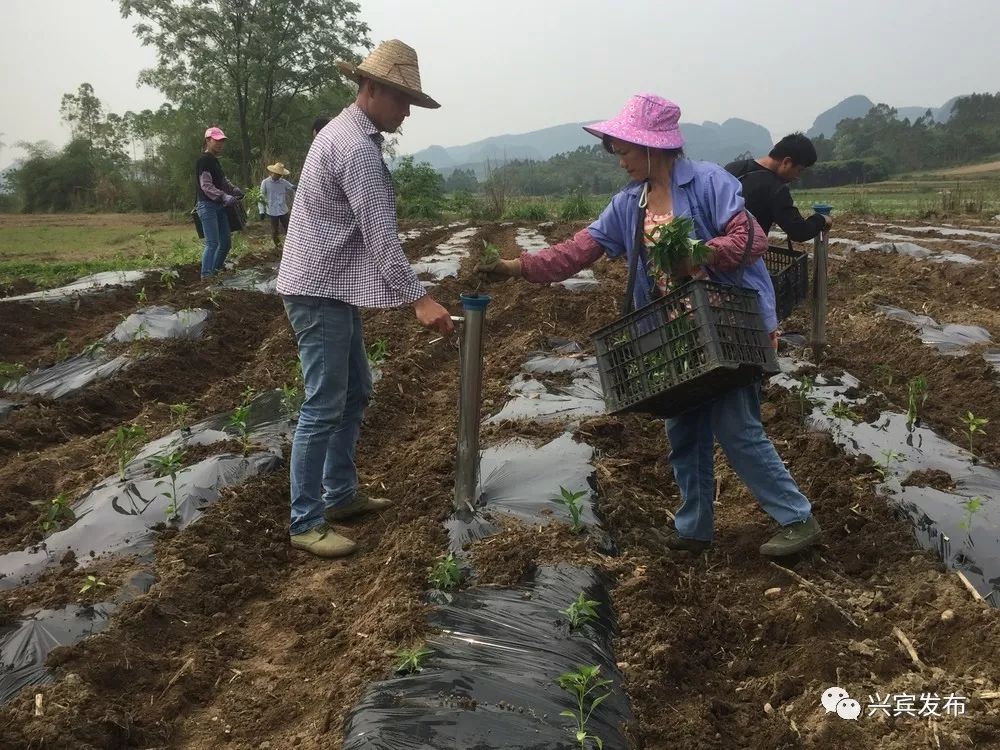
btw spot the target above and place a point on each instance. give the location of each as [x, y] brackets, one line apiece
[218, 240]
[338, 386]
[734, 420]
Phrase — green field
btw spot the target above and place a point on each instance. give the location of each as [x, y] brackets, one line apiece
[916, 198]
[51, 250]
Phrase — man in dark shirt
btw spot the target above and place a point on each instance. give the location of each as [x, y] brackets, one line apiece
[765, 187]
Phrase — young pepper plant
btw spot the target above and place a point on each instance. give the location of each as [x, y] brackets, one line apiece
[125, 444]
[571, 500]
[589, 690]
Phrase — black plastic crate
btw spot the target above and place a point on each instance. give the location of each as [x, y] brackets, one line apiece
[789, 270]
[683, 350]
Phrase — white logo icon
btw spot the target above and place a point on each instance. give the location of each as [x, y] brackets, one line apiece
[848, 708]
[833, 696]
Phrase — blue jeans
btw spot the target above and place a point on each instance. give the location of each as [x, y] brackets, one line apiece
[733, 419]
[218, 239]
[338, 385]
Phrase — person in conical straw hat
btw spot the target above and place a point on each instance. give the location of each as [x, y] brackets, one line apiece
[665, 186]
[342, 253]
[276, 194]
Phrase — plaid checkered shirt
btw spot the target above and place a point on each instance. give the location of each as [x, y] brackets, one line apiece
[343, 240]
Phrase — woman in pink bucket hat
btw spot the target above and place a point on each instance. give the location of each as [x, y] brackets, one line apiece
[646, 136]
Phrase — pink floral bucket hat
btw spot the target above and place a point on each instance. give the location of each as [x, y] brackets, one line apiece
[646, 120]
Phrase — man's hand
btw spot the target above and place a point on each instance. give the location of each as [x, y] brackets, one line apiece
[502, 269]
[775, 337]
[238, 193]
[432, 315]
[228, 200]
[829, 220]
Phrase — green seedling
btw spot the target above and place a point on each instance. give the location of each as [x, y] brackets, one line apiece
[62, 349]
[213, 297]
[10, 371]
[411, 660]
[57, 514]
[804, 390]
[141, 297]
[291, 400]
[672, 251]
[884, 375]
[179, 414]
[125, 445]
[91, 583]
[972, 506]
[589, 690]
[248, 395]
[445, 574]
[490, 254]
[239, 422]
[580, 612]
[169, 465]
[168, 277]
[888, 456]
[378, 352]
[842, 410]
[572, 502]
[93, 349]
[916, 398]
[973, 426]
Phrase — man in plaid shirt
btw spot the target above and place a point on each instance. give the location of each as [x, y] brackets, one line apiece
[342, 253]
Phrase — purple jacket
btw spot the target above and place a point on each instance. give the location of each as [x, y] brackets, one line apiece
[701, 190]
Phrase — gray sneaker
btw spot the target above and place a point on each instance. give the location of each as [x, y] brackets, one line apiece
[792, 538]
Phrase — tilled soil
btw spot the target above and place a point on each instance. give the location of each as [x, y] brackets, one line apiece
[246, 642]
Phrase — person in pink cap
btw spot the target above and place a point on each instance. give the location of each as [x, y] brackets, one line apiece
[213, 192]
[646, 136]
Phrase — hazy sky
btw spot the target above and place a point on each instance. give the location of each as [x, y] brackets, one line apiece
[516, 65]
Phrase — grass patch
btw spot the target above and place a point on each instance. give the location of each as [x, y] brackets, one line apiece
[53, 250]
[910, 199]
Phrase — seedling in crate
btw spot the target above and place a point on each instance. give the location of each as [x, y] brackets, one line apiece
[804, 390]
[888, 457]
[378, 352]
[125, 445]
[491, 253]
[445, 574]
[917, 397]
[973, 426]
[580, 612]
[169, 465]
[91, 583]
[57, 514]
[411, 660]
[672, 251]
[572, 502]
[589, 690]
[179, 414]
[972, 506]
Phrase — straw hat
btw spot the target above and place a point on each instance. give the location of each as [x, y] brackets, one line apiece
[278, 168]
[394, 64]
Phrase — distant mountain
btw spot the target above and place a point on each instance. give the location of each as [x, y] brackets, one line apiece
[852, 106]
[710, 141]
[858, 106]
